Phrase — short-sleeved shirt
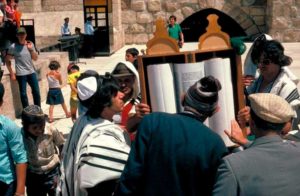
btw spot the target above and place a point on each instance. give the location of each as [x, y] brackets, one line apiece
[174, 31]
[65, 29]
[88, 28]
[43, 154]
[23, 60]
[11, 149]
[72, 79]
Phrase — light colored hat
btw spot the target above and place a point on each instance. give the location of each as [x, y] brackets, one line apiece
[86, 88]
[271, 108]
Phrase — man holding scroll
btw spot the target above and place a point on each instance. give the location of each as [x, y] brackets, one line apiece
[176, 154]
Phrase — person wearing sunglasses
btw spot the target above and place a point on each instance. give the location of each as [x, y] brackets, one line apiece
[252, 58]
[250, 68]
[272, 79]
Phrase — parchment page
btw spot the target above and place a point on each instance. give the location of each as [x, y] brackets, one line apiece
[185, 75]
[161, 87]
[220, 68]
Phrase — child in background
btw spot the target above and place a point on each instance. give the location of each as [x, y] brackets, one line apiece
[55, 96]
[42, 144]
[73, 71]
[131, 56]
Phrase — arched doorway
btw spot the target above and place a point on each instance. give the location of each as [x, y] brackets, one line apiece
[194, 25]
[99, 10]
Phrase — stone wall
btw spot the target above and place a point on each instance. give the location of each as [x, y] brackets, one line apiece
[12, 106]
[283, 19]
[138, 15]
[29, 6]
[132, 21]
[48, 25]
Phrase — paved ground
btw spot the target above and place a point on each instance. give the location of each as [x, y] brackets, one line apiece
[104, 64]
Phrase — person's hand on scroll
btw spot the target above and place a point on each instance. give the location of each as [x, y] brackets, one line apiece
[243, 116]
[236, 134]
[248, 79]
[133, 121]
[142, 109]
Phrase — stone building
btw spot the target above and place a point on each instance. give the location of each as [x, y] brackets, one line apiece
[132, 21]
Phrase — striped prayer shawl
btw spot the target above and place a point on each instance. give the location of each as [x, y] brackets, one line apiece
[287, 89]
[101, 154]
[65, 185]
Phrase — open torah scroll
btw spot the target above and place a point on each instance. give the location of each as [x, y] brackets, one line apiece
[168, 82]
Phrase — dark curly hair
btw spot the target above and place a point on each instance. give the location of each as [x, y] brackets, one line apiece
[107, 88]
[54, 65]
[258, 48]
[271, 49]
[274, 51]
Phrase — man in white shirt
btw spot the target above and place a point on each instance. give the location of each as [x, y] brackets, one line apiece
[65, 28]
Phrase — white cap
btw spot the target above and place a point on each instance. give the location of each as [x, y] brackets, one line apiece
[86, 88]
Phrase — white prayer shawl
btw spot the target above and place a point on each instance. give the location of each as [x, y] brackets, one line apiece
[101, 154]
[250, 68]
[65, 185]
[287, 89]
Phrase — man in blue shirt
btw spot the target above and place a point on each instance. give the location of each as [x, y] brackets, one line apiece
[13, 159]
[89, 37]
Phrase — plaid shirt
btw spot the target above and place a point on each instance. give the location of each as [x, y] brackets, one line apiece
[43, 153]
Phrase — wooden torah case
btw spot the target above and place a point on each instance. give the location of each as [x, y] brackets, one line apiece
[164, 67]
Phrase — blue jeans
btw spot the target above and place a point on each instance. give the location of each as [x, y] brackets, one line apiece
[31, 79]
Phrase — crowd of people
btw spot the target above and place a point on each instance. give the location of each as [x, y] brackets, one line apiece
[10, 18]
[117, 146]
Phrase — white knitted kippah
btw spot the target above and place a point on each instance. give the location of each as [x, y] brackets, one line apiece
[86, 88]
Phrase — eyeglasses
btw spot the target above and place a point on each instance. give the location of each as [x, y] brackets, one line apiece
[265, 62]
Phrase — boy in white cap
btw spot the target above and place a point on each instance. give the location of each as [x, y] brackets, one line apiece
[269, 166]
[86, 87]
[95, 172]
